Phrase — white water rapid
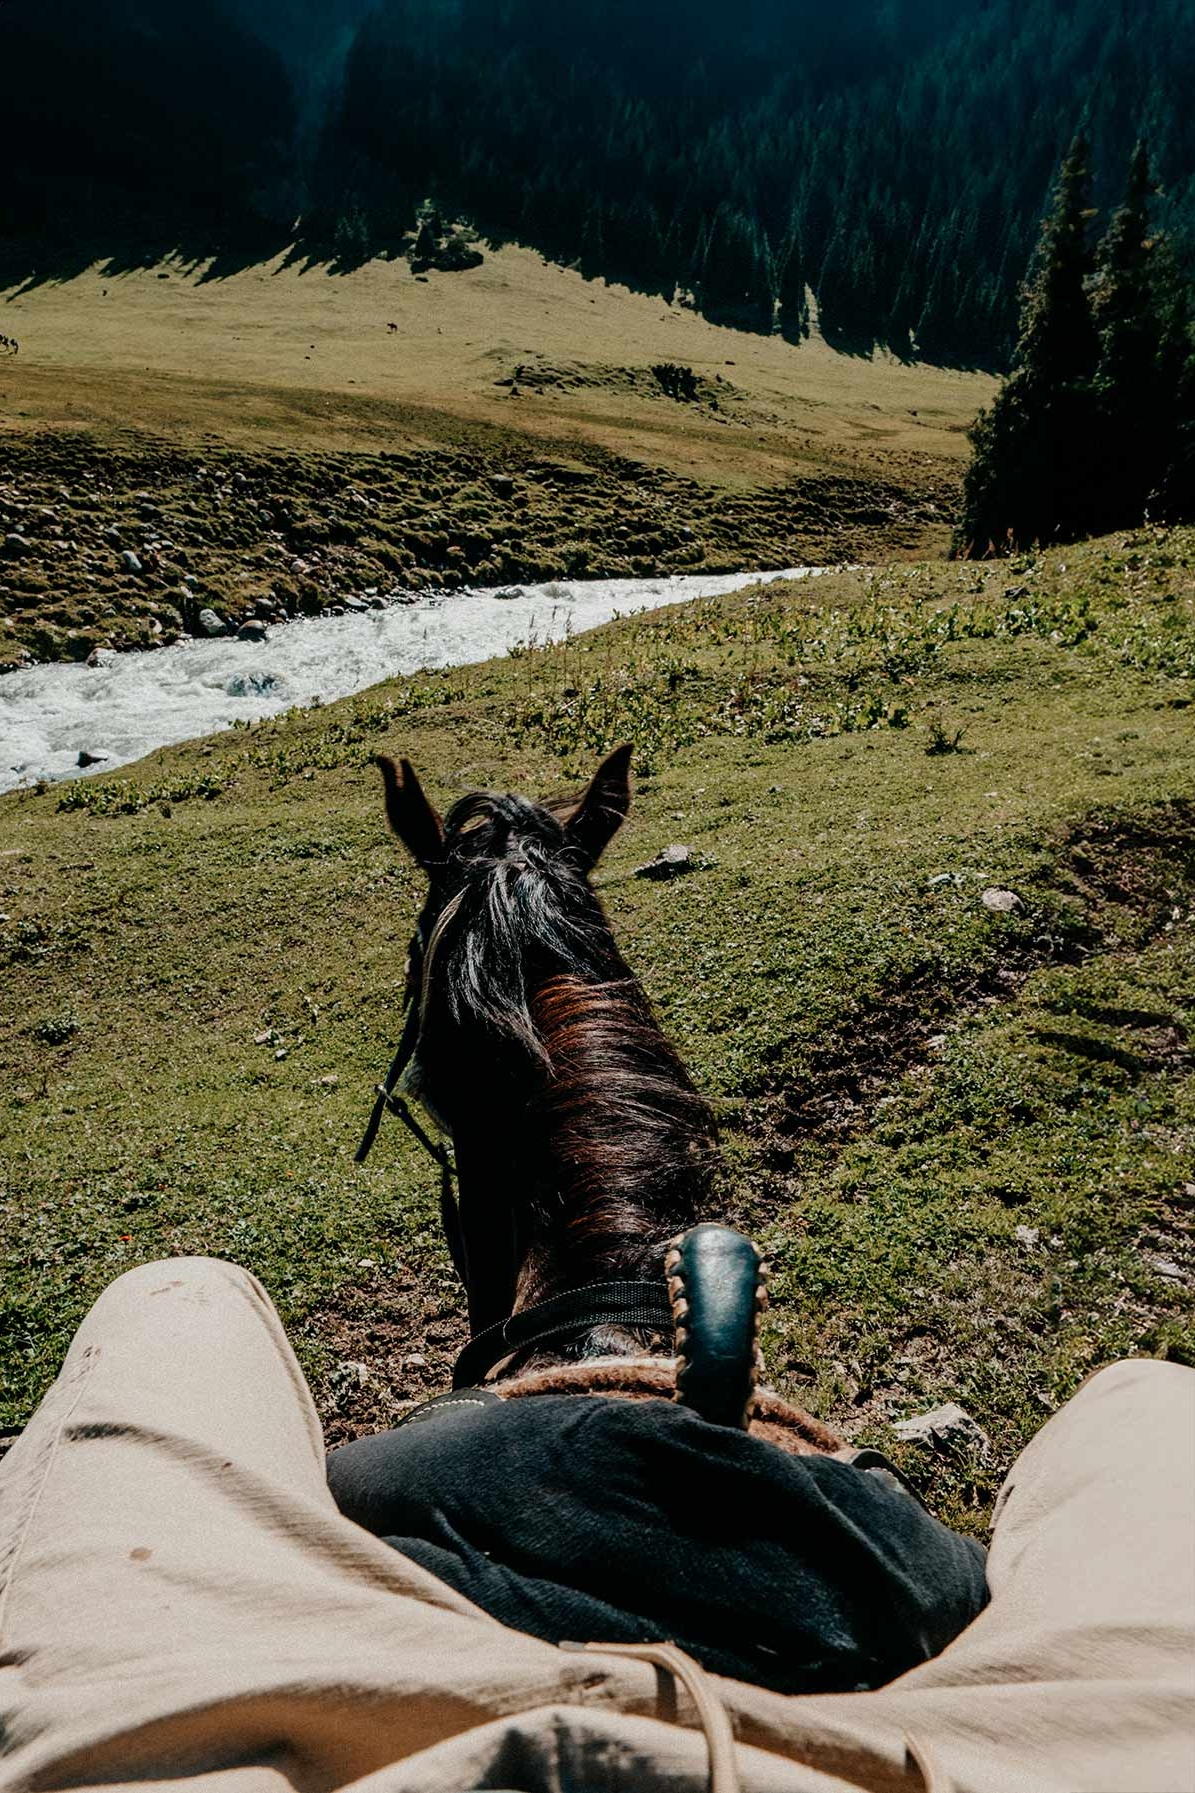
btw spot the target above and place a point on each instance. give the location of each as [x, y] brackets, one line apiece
[131, 703]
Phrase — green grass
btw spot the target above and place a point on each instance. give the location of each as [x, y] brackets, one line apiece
[966, 1138]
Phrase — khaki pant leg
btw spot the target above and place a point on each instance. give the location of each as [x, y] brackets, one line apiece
[1079, 1677]
[186, 1358]
[179, 1595]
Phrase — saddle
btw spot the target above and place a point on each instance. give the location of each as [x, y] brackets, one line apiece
[716, 1283]
[712, 1297]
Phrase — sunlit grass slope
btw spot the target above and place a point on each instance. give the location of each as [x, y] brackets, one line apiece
[964, 1134]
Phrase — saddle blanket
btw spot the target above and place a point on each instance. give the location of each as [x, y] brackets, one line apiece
[584, 1517]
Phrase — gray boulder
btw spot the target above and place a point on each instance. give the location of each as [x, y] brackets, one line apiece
[130, 562]
[17, 546]
[1004, 902]
[949, 1427]
[253, 630]
[670, 862]
[212, 623]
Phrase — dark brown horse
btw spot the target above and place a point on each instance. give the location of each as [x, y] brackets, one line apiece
[581, 1145]
[585, 1156]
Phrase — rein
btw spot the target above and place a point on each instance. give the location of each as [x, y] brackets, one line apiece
[388, 1102]
[564, 1317]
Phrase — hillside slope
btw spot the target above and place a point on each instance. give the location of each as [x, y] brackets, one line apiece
[963, 1133]
[510, 422]
[892, 156]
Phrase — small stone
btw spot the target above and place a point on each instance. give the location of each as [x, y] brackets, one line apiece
[670, 862]
[332, 1081]
[416, 1361]
[355, 604]
[264, 1039]
[1166, 1268]
[948, 1427]
[299, 567]
[87, 758]
[212, 623]
[191, 579]
[1028, 1236]
[1004, 902]
[503, 485]
[280, 1055]
[940, 878]
[17, 546]
[253, 630]
[130, 561]
[367, 1263]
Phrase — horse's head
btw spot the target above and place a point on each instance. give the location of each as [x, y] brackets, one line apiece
[581, 1144]
[509, 907]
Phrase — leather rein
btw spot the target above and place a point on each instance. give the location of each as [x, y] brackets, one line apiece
[564, 1317]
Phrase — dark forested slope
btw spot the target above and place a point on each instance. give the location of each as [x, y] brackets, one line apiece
[890, 156]
[893, 157]
[132, 126]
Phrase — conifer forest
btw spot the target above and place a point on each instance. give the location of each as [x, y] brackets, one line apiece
[885, 160]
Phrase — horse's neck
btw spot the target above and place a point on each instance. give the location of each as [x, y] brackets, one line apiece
[579, 1165]
[514, 1258]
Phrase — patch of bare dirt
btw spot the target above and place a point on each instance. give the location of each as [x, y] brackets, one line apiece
[1124, 878]
[394, 1340]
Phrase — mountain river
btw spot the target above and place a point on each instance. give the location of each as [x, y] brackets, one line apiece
[130, 703]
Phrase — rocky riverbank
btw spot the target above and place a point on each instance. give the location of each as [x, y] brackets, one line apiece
[134, 543]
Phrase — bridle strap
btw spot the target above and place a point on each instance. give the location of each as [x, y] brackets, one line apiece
[565, 1316]
[386, 1099]
[387, 1102]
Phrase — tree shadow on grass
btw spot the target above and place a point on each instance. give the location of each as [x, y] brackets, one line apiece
[199, 251]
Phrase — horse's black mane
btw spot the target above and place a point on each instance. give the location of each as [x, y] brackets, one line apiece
[530, 998]
[526, 910]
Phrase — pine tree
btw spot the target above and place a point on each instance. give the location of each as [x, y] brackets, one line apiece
[593, 248]
[736, 284]
[1174, 308]
[1132, 411]
[1056, 342]
[1030, 477]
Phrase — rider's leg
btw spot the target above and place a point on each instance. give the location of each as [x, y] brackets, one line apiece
[1081, 1671]
[179, 1369]
[179, 1593]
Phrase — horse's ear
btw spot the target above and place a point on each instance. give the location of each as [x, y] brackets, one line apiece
[603, 809]
[409, 813]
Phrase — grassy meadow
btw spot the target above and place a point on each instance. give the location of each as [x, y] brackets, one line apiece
[285, 438]
[964, 1134]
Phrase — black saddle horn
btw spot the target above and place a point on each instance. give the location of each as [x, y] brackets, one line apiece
[716, 1281]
